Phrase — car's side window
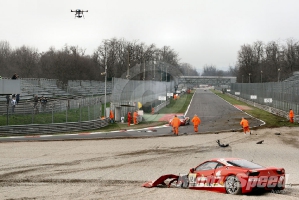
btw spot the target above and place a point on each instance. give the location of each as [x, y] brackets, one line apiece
[219, 165]
[207, 166]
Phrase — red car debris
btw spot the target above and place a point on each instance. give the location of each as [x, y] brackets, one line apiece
[184, 120]
[228, 175]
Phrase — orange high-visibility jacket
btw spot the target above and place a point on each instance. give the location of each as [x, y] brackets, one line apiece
[135, 115]
[244, 123]
[195, 120]
[291, 114]
[111, 115]
[176, 122]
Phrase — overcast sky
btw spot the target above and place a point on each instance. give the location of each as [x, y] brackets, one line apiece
[201, 31]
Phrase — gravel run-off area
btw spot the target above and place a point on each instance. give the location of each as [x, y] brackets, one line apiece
[116, 168]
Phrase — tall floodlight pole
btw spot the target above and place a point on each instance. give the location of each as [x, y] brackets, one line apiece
[166, 73]
[154, 69]
[161, 71]
[156, 59]
[105, 80]
[278, 74]
[130, 49]
[249, 77]
[261, 76]
[144, 69]
[166, 82]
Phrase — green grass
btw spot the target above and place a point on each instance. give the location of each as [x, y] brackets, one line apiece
[72, 115]
[175, 106]
[178, 106]
[270, 119]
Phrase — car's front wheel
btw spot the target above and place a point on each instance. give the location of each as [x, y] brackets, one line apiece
[233, 185]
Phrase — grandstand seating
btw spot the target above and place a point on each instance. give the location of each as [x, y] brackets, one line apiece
[292, 78]
[88, 88]
[49, 88]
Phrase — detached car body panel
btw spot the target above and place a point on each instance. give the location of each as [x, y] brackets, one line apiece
[228, 175]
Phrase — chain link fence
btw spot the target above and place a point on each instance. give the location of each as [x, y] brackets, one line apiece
[55, 110]
[277, 96]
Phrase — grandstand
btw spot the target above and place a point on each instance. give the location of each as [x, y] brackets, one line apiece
[294, 77]
[58, 94]
[51, 88]
[88, 88]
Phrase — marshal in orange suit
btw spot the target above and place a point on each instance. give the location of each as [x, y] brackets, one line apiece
[175, 125]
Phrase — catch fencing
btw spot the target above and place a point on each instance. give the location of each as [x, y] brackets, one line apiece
[275, 97]
[55, 110]
[125, 90]
[127, 93]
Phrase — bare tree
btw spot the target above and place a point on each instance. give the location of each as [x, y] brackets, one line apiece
[24, 61]
[5, 53]
[209, 70]
[291, 56]
[70, 62]
[188, 70]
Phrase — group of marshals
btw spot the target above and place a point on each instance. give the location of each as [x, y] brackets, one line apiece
[175, 123]
[195, 120]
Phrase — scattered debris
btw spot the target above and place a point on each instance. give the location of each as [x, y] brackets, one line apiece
[221, 145]
[277, 134]
[216, 133]
[260, 142]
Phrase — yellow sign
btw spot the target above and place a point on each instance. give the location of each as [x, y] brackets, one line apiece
[139, 105]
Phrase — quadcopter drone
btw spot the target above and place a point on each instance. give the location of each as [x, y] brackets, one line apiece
[79, 13]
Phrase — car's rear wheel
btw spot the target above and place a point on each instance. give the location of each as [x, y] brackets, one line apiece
[233, 185]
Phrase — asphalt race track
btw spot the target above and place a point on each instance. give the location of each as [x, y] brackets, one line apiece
[216, 116]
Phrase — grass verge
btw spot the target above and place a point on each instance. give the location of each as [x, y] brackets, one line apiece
[178, 106]
[175, 106]
[270, 119]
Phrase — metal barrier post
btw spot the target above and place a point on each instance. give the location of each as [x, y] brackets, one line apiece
[32, 118]
[52, 114]
[7, 115]
[66, 114]
[88, 112]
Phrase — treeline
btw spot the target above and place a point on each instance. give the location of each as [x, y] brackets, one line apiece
[262, 62]
[71, 62]
[270, 62]
[211, 70]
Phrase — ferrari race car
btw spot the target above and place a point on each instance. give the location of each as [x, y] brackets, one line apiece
[228, 175]
[184, 120]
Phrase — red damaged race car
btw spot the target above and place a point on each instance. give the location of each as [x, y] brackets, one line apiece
[184, 120]
[228, 175]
